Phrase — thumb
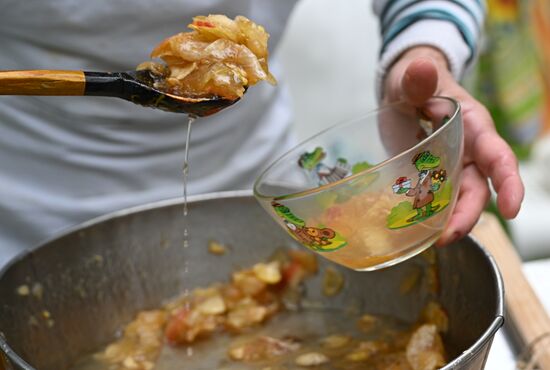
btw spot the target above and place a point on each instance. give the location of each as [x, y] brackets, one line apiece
[419, 81]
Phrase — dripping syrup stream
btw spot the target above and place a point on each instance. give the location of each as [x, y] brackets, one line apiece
[190, 121]
[185, 173]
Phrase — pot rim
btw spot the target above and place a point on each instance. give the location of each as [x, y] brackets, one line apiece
[121, 213]
[488, 335]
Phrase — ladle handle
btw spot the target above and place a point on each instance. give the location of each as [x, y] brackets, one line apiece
[42, 82]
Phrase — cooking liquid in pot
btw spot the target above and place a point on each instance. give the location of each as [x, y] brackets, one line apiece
[332, 333]
[261, 319]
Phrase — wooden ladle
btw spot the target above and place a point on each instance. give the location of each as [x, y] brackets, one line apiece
[134, 86]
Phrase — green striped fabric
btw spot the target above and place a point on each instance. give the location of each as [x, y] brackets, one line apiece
[467, 15]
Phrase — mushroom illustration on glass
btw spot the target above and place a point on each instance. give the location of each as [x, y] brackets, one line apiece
[320, 239]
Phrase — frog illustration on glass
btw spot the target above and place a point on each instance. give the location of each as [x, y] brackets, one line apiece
[431, 193]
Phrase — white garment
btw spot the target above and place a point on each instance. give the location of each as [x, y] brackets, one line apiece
[64, 160]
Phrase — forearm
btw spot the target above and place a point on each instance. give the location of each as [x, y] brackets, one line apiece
[452, 27]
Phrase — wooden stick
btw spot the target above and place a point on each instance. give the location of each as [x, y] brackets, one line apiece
[524, 310]
[42, 82]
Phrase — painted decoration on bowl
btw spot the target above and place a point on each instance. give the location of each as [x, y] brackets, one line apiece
[318, 239]
[431, 193]
[312, 163]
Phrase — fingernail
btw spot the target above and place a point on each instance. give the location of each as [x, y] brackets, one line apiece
[454, 237]
[448, 238]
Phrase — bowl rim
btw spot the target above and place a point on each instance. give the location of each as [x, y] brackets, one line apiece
[318, 189]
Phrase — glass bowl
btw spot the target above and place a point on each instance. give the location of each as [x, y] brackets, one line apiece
[373, 191]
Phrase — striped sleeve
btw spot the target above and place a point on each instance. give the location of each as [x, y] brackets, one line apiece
[452, 26]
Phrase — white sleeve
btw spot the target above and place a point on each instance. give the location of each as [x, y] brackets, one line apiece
[452, 26]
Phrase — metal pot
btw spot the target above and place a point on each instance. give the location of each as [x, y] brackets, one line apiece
[84, 285]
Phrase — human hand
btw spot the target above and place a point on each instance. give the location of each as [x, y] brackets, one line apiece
[422, 72]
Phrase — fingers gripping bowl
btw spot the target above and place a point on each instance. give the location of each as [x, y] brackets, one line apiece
[373, 191]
